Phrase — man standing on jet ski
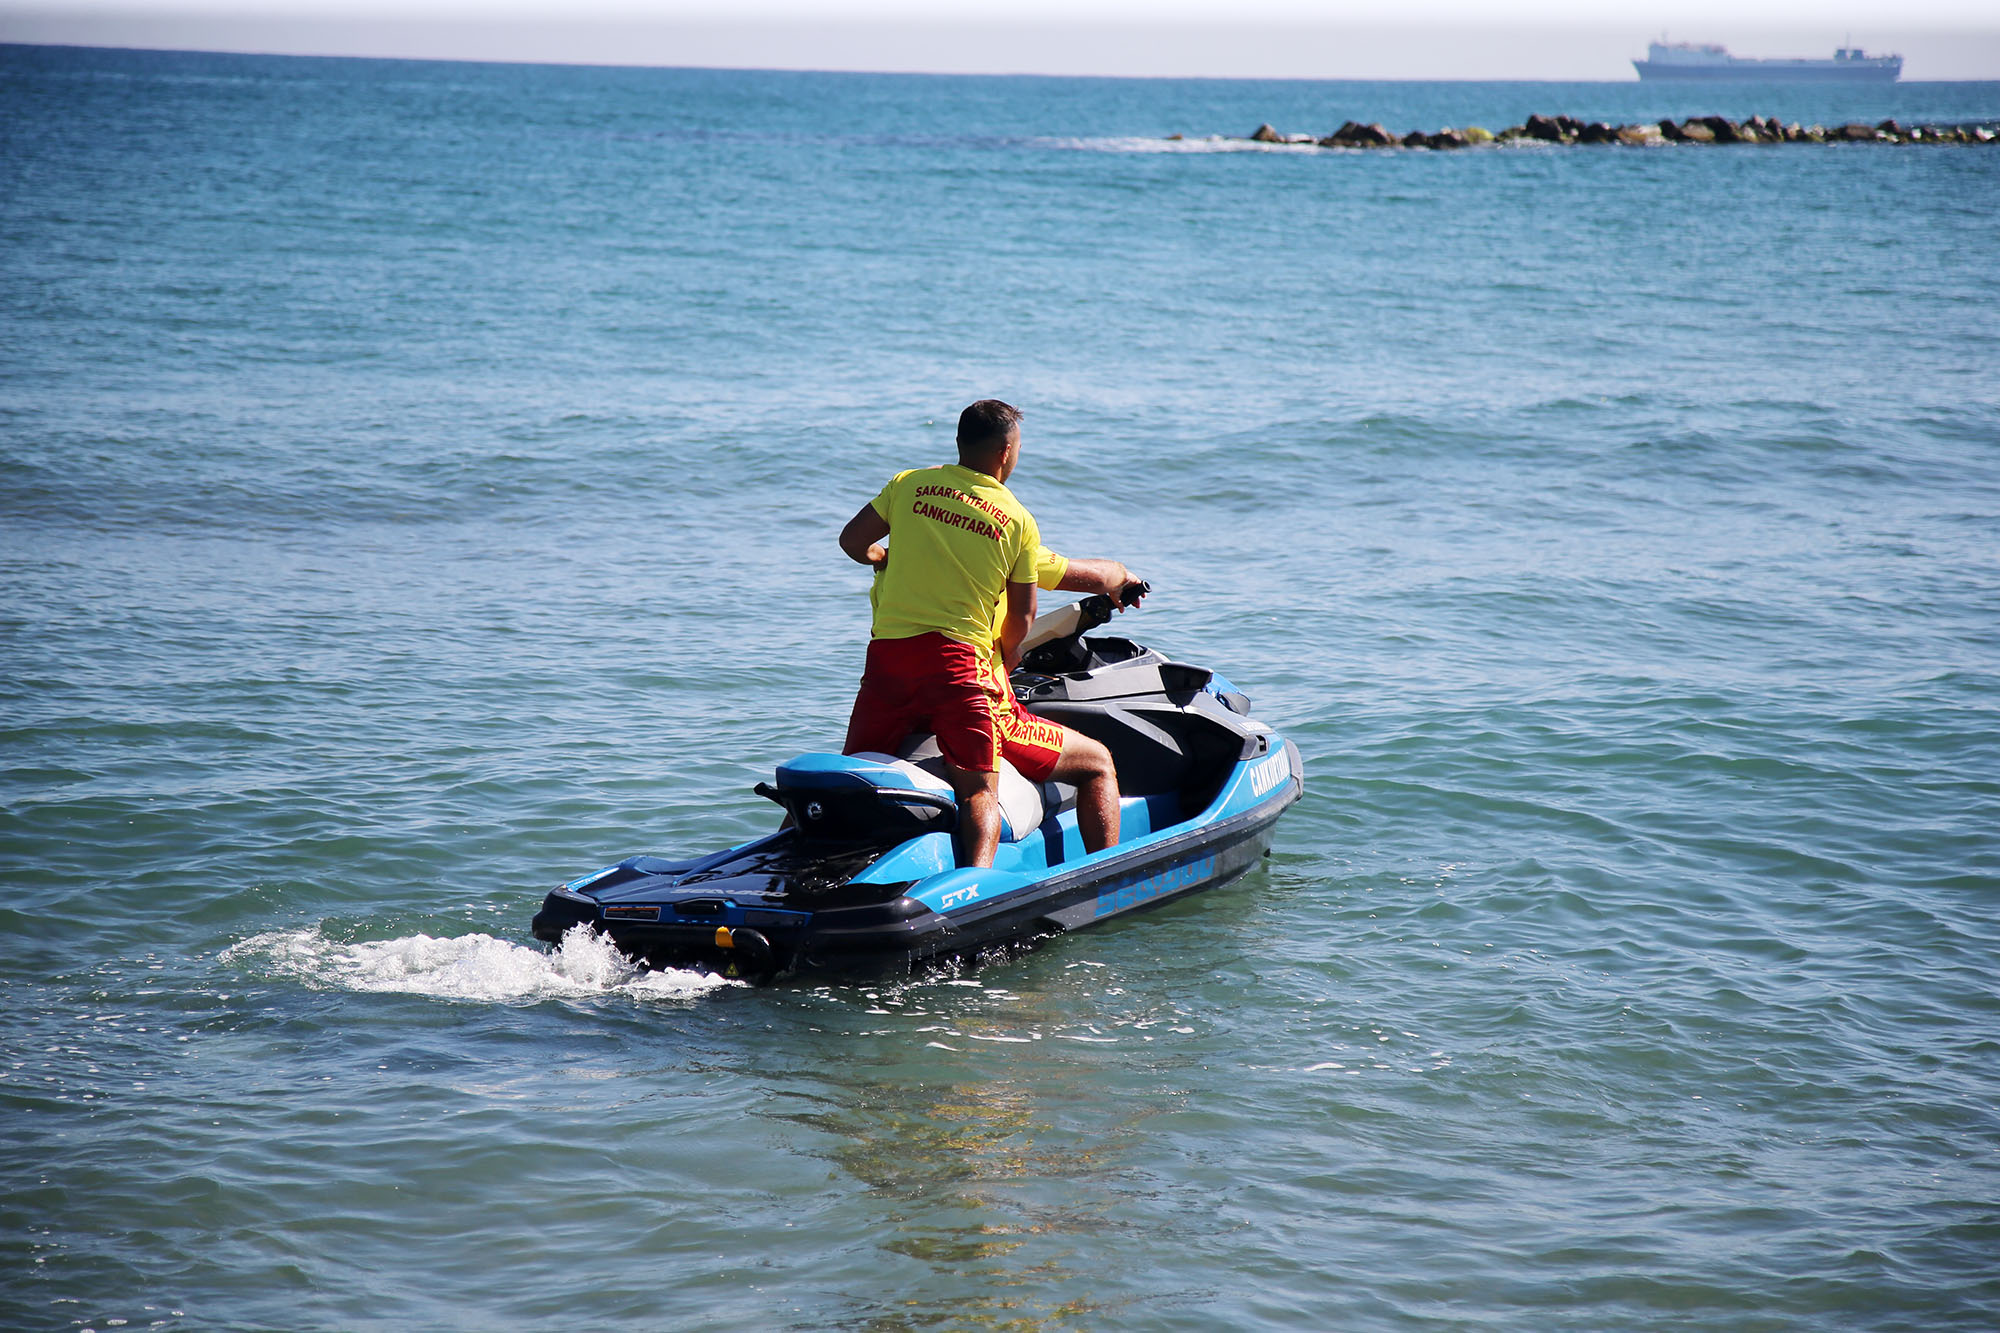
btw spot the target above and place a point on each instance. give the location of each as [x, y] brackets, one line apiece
[949, 617]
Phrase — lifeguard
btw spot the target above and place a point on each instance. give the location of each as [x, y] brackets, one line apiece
[950, 612]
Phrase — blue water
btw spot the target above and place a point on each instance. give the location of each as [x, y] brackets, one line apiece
[418, 485]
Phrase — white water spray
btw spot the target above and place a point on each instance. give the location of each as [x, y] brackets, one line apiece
[470, 967]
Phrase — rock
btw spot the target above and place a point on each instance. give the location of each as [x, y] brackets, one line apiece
[1356, 135]
[1175, 138]
[1695, 129]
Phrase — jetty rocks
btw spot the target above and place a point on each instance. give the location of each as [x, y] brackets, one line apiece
[1693, 130]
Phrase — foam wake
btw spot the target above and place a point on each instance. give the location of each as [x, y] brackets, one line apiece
[1213, 143]
[468, 967]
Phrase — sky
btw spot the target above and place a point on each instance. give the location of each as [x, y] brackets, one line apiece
[1416, 39]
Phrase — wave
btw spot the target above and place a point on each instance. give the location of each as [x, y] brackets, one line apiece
[1213, 143]
[1220, 143]
[469, 967]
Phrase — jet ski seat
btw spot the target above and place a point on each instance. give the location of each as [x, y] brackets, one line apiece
[1023, 804]
[859, 795]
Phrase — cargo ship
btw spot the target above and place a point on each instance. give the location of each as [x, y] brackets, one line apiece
[1708, 62]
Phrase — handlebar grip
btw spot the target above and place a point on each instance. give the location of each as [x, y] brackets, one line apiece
[1129, 595]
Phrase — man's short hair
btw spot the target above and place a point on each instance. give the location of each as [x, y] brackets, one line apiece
[983, 426]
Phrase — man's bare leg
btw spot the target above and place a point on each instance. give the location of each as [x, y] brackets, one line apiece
[978, 814]
[1086, 765]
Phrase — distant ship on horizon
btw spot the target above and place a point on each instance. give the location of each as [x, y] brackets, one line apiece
[1706, 61]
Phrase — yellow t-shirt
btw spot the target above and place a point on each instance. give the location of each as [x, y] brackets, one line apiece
[1049, 570]
[957, 538]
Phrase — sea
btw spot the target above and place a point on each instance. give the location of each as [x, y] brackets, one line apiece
[419, 485]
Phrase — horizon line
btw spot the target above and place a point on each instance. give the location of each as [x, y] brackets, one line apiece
[557, 63]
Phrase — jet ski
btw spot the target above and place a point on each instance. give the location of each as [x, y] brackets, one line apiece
[862, 874]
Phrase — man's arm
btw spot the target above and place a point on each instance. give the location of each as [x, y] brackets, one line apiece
[1014, 626]
[1109, 577]
[862, 537]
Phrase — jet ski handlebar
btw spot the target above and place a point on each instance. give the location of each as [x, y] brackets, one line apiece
[1080, 617]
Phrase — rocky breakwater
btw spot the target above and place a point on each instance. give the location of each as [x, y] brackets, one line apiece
[1693, 130]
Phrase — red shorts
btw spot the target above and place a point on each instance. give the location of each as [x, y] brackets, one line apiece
[932, 683]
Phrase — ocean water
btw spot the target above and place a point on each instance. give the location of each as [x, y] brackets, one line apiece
[418, 485]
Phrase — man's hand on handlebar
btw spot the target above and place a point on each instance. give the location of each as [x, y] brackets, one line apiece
[1106, 578]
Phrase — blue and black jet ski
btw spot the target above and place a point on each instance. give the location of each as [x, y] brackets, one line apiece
[862, 875]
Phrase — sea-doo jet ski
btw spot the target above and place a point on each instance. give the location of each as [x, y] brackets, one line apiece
[863, 872]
